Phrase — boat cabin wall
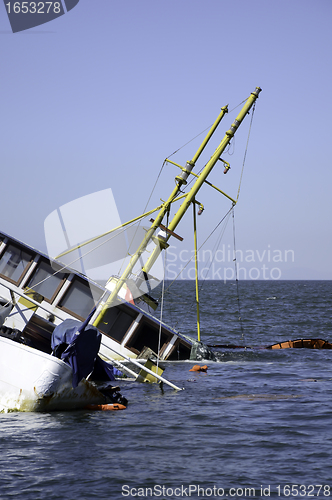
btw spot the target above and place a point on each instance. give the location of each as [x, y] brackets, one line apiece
[36, 294]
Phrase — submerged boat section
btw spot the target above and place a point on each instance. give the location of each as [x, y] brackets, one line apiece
[302, 344]
[39, 295]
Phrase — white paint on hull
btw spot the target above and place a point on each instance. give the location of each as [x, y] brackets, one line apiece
[31, 380]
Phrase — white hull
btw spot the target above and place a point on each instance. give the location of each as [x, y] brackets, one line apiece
[31, 380]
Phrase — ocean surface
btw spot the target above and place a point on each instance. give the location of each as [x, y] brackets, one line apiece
[257, 424]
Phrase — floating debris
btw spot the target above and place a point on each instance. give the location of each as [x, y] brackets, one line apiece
[198, 368]
[109, 407]
[302, 344]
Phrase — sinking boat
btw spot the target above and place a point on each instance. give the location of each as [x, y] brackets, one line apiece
[42, 304]
[40, 296]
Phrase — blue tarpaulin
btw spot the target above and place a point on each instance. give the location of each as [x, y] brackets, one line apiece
[78, 345]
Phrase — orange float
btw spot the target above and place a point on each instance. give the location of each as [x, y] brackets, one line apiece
[109, 407]
[198, 368]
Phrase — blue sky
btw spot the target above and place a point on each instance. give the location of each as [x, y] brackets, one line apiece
[98, 98]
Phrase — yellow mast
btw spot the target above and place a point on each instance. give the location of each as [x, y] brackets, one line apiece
[204, 174]
[196, 274]
[181, 179]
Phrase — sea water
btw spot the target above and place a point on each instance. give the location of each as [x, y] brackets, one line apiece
[257, 424]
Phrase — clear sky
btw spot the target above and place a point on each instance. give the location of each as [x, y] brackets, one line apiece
[98, 98]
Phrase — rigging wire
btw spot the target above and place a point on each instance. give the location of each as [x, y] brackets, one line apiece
[162, 300]
[223, 229]
[192, 179]
[216, 227]
[207, 128]
[234, 244]
[152, 191]
[222, 232]
[245, 153]
[227, 214]
[236, 279]
[65, 267]
[155, 184]
[191, 140]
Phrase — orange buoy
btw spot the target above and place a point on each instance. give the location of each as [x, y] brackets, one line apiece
[197, 368]
[109, 407]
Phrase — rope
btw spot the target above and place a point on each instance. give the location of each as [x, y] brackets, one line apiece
[222, 232]
[207, 128]
[162, 301]
[234, 244]
[161, 312]
[152, 191]
[232, 144]
[245, 153]
[65, 267]
[227, 214]
[236, 279]
[225, 217]
[155, 184]
[93, 249]
[191, 140]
